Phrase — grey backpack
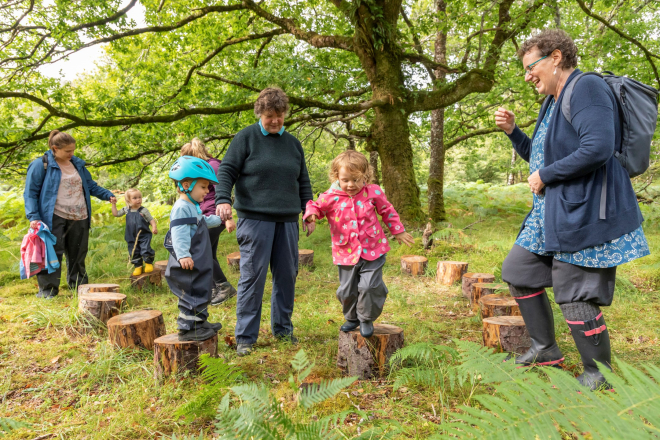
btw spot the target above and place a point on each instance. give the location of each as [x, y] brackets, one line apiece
[638, 111]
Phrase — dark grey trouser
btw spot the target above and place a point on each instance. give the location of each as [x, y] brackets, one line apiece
[361, 291]
[525, 270]
[263, 243]
[72, 241]
[142, 251]
[214, 235]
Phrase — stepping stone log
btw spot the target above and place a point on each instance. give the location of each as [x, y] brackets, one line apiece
[101, 305]
[506, 333]
[498, 305]
[479, 290]
[471, 278]
[368, 358]
[172, 356]
[448, 272]
[306, 257]
[136, 329]
[161, 266]
[86, 288]
[145, 279]
[234, 260]
[414, 265]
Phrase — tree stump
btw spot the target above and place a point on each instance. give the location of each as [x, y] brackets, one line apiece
[479, 290]
[471, 278]
[145, 279]
[506, 333]
[234, 260]
[172, 356]
[136, 329]
[368, 358]
[161, 266]
[498, 305]
[449, 272]
[101, 305]
[306, 257]
[86, 288]
[414, 265]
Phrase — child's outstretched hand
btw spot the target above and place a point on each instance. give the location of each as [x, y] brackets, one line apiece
[113, 200]
[405, 238]
[309, 224]
[230, 225]
[187, 263]
[154, 231]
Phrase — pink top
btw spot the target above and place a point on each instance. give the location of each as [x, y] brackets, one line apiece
[356, 232]
[70, 203]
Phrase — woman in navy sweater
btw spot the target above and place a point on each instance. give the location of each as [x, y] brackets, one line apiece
[585, 220]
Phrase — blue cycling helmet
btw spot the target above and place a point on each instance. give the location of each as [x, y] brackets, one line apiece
[189, 167]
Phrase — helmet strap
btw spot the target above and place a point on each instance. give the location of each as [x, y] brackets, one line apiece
[187, 193]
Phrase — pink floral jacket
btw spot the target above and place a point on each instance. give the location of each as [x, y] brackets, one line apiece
[356, 232]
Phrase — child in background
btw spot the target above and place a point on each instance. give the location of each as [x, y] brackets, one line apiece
[137, 235]
[359, 245]
[189, 271]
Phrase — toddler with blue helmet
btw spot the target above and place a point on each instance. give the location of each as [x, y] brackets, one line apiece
[189, 271]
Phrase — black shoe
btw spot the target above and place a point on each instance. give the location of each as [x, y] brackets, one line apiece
[366, 329]
[222, 292]
[46, 294]
[349, 326]
[593, 342]
[537, 313]
[288, 338]
[244, 349]
[196, 334]
[213, 326]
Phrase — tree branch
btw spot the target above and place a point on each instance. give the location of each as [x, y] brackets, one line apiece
[480, 132]
[429, 63]
[474, 81]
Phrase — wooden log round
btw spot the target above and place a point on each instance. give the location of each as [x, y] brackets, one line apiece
[101, 305]
[136, 329]
[449, 272]
[367, 358]
[172, 356]
[498, 305]
[145, 279]
[506, 333]
[306, 257]
[234, 260]
[414, 265]
[86, 288]
[479, 290]
[471, 278]
[161, 265]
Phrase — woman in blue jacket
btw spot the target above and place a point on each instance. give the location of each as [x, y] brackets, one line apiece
[57, 193]
[585, 220]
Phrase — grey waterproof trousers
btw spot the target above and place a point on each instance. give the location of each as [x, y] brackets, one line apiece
[361, 291]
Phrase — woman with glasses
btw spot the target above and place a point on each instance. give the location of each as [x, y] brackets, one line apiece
[585, 220]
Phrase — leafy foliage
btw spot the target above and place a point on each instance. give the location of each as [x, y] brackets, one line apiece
[7, 425]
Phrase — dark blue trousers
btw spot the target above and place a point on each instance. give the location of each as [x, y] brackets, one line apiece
[265, 243]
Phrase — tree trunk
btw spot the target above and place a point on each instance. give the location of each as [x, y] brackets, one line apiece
[373, 159]
[368, 358]
[498, 305]
[437, 161]
[101, 305]
[414, 265]
[136, 329]
[471, 278]
[448, 272]
[172, 356]
[511, 178]
[506, 333]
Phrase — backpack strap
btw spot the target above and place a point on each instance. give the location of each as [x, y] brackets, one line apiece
[44, 159]
[568, 92]
[183, 221]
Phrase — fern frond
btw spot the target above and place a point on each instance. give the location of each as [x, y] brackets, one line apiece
[302, 365]
[217, 372]
[420, 376]
[423, 352]
[491, 366]
[7, 425]
[314, 394]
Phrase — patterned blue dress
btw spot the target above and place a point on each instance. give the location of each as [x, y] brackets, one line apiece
[612, 253]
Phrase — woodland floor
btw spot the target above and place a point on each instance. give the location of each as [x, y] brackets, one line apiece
[75, 386]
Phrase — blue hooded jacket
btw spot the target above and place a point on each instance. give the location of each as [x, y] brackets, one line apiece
[41, 188]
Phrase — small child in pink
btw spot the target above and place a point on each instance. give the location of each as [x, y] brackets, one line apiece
[359, 245]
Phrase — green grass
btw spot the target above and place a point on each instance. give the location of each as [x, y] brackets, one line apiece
[71, 383]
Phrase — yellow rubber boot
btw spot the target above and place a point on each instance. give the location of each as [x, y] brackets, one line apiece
[148, 268]
[137, 271]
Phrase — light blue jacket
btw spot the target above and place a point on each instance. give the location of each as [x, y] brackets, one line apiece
[182, 234]
[41, 188]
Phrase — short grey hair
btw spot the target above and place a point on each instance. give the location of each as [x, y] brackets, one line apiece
[271, 99]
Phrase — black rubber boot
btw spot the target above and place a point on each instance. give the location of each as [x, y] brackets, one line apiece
[366, 329]
[196, 334]
[349, 326]
[537, 313]
[592, 341]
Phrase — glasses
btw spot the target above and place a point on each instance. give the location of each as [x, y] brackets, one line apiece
[528, 69]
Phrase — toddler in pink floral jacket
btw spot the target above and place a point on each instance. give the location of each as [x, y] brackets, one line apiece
[359, 244]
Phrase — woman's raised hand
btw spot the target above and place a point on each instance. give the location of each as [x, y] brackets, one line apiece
[505, 120]
[223, 211]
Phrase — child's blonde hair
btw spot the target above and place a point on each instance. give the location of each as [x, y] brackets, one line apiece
[355, 162]
[196, 148]
[127, 195]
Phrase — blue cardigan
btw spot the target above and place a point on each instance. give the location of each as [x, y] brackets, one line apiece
[588, 194]
[41, 188]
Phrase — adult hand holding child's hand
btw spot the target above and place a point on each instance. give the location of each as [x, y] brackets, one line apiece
[230, 225]
[309, 224]
[113, 200]
[405, 238]
[223, 211]
[187, 263]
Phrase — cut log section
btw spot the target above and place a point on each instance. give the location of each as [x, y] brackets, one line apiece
[498, 305]
[101, 305]
[449, 272]
[506, 333]
[87, 288]
[414, 265]
[161, 266]
[479, 290]
[306, 257]
[234, 260]
[145, 279]
[471, 278]
[172, 356]
[136, 329]
[368, 358]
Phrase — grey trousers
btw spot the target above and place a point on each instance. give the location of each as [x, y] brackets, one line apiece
[526, 270]
[361, 291]
[263, 243]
